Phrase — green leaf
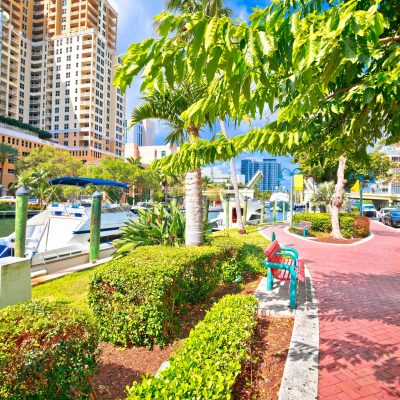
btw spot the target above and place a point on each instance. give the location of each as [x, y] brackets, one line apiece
[368, 95]
[210, 32]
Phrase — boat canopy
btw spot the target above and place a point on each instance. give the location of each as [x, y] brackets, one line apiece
[83, 182]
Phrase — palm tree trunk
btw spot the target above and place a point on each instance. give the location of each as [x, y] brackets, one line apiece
[235, 185]
[194, 201]
[194, 209]
[338, 199]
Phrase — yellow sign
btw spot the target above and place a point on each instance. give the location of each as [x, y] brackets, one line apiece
[298, 182]
[355, 187]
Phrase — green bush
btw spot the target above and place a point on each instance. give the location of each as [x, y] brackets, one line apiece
[6, 207]
[138, 299]
[14, 122]
[350, 224]
[207, 364]
[47, 351]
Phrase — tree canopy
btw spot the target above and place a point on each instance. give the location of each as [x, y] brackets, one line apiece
[330, 72]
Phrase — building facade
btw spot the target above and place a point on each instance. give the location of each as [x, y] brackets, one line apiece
[149, 153]
[142, 134]
[270, 168]
[57, 72]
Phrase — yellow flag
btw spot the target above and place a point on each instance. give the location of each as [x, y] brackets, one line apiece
[355, 187]
[298, 182]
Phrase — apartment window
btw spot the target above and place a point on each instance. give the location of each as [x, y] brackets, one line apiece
[57, 110]
[68, 66]
[58, 76]
[57, 101]
[69, 58]
[56, 128]
[66, 118]
[67, 101]
[11, 171]
[58, 84]
[66, 109]
[65, 143]
[63, 29]
[66, 133]
[57, 93]
[58, 60]
[67, 92]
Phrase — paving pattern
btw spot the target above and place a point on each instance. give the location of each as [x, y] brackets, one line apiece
[358, 294]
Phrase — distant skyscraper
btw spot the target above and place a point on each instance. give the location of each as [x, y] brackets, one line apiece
[270, 168]
[142, 134]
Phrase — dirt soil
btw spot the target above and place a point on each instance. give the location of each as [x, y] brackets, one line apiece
[262, 375]
[259, 380]
[329, 239]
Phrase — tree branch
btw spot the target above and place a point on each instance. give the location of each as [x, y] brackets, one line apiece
[344, 90]
[390, 39]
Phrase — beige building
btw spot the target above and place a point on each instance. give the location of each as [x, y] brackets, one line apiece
[57, 72]
[149, 153]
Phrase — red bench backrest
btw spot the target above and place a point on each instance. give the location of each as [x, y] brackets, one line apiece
[271, 250]
[305, 223]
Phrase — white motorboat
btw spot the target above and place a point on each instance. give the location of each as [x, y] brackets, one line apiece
[58, 237]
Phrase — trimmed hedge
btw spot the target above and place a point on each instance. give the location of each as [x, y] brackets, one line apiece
[47, 351]
[207, 364]
[137, 300]
[351, 225]
[14, 122]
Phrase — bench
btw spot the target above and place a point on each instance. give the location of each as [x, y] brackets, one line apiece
[303, 226]
[283, 264]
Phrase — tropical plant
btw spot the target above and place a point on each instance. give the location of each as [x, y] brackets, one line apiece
[328, 69]
[14, 122]
[158, 225]
[169, 106]
[7, 152]
[323, 197]
[209, 7]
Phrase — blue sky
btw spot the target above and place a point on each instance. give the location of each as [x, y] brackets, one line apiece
[135, 23]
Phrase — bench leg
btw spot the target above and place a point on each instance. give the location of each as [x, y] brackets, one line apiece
[293, 292]
[270, 280]
[304, 232]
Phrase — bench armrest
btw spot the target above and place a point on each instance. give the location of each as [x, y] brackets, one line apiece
[291, 250]
[289, 268]
[292, 256]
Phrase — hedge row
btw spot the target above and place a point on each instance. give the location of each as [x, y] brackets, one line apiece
[351, 225]
[14, 122]
[207, 364]
[137, 300]
[47, 351]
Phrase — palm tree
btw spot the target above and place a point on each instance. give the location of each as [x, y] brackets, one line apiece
[7, 152]
[168, 107]
[324, 196]
[209, 7]
[213, 8]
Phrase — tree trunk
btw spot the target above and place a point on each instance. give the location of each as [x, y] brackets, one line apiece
[194, 209]
[193, 200]
[235, 185]
[338, 199]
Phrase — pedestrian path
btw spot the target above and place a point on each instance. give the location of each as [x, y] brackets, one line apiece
[358, 294]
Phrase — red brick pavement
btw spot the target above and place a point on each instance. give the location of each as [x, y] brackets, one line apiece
[358, 293]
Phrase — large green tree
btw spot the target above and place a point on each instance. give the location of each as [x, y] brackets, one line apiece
[329, 70]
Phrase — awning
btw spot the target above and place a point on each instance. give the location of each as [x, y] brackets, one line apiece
[83, 182]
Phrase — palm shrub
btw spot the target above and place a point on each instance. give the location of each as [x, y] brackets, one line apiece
[47, 351]
[157, 226]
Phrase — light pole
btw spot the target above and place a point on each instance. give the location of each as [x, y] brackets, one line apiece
[361, 178]
[291, 173]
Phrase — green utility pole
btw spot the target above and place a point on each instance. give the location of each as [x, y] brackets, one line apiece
[245, 211]
[21, 216]
[95, 222]
[360, 180]
[275, 207]
[227, 213]
[283, 211]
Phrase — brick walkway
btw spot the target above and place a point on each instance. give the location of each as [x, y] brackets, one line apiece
[358, 292]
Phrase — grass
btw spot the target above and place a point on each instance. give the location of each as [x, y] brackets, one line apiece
[72, 289]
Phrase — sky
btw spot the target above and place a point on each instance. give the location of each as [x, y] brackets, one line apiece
[135, 23]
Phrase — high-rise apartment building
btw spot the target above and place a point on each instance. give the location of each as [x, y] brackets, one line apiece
[142, 134]
[270, 168]
[57, 71]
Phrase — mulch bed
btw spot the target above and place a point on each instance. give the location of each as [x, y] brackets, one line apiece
[329, 239]
[121, 367]
[262, 375]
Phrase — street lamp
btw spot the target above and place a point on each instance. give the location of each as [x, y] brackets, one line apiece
[361, 178]
[291, 173]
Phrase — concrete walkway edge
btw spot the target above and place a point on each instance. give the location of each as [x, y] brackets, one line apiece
[300, 376]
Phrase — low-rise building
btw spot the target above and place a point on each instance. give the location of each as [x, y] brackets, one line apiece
[149, 153]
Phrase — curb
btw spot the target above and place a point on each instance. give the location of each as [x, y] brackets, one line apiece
[300, 376]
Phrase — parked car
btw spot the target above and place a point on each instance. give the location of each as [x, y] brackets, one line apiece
[369, 210]
[7, 198]
[381, 213]
[392, 218]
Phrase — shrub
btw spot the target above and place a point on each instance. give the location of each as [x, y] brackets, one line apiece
[157, 225]
[206, 365]
[362, 226]
[47, 351]
[351, 225]
[14, 122]
[6, 207]
[138, 299]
